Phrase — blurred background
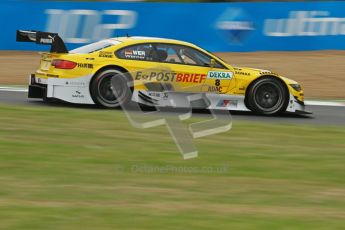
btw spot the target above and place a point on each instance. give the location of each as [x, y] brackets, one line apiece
[74, 167]
[314, 30]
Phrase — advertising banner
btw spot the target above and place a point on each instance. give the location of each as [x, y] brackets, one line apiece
[266, 26]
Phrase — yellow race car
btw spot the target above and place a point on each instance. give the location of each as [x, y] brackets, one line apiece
[155, 72]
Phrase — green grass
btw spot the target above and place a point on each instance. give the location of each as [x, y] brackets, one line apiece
[64, 168]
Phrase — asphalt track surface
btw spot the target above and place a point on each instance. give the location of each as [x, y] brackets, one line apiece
[323, 115]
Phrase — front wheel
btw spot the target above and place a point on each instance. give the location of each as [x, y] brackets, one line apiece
[109, 95]
[268, 96]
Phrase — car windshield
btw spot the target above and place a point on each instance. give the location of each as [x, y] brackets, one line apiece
[93, 47]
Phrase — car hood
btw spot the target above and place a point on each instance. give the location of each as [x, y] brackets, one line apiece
[251, 70]
[261, 72]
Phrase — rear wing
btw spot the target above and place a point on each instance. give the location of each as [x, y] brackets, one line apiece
[43, 38]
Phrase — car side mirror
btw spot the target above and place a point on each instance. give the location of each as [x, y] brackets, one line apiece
[212, 63]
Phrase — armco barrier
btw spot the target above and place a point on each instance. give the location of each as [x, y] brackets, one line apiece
[214, 26]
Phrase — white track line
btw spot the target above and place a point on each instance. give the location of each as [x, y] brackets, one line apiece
[325, 103]
[13, 89]
[318, 103]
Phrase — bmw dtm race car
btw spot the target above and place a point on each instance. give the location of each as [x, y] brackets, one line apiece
[155, 72]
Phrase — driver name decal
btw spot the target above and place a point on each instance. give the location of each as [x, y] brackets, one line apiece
[135, 54]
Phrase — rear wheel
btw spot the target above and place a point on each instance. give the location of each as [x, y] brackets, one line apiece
[109, 95]
[268, 96]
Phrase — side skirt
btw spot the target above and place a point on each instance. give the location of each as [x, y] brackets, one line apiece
[190, 100]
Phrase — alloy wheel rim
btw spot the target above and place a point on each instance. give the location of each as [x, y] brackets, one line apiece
[112, 94]
[268, 96]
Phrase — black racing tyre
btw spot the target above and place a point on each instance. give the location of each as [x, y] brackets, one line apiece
[102, 91]
[268, 96]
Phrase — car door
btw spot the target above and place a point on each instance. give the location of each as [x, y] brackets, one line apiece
[173, 67]
[194, 70]
[158, 67]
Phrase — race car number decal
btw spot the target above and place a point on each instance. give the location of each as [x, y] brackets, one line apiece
[217, 81]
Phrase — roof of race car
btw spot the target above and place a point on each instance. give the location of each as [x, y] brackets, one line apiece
[140, 39]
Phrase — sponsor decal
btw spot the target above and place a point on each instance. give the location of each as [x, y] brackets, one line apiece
[75, 83]
[171, 76]
[85, 65]
[160, 95]
[52, 75]
[154, 94]
[194, 78]
[135, 54]
[105, 54]
[219, 75]
[266, 72]
[235, 24]
[46, 40]
[217, 89]
[77, 94]
[158, 76]
[147, 98]
[242, 73]
[227, 103]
